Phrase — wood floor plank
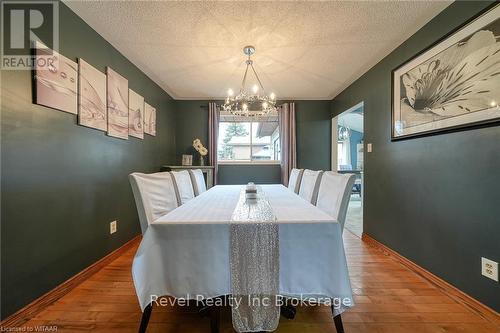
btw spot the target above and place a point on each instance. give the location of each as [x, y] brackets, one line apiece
[389, 297]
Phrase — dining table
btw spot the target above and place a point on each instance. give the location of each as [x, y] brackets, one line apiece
[186, 254]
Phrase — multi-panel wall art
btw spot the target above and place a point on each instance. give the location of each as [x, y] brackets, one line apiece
[56, 84]
[135, 114]
[117, 87]
[454, 84]
[92, 97]
[102, 101]
[149, 119]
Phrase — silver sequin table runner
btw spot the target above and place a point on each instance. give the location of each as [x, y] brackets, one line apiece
[254, 261]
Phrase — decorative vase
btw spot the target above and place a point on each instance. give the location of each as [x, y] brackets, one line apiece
[202, 160]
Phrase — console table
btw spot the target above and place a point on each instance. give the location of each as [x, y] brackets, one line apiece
[208, 170]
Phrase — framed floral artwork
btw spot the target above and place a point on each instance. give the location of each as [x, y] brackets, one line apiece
[452, 85]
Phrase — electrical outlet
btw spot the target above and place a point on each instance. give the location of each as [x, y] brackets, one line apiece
[112, 227]
[369, 147]
[489, 268]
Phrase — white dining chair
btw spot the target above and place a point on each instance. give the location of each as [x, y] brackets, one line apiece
[294, 180]
[334, 194]
[154, 196]
[198, 181]
[309, 185]
[183, 186]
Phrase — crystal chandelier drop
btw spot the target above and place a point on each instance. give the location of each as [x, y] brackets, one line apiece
[344, 133]
[250, 103]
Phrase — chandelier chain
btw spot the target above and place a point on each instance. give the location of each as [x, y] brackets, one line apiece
[243, 83]
[258, 78]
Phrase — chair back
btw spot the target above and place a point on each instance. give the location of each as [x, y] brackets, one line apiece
[154, 196]
[309, 185]
[334, 194]
[183, 186]
[294, 180]
[198, 181]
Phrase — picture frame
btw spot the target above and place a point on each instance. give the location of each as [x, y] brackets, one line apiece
[187, 160]
[452, 85]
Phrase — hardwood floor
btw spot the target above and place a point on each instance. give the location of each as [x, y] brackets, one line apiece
[389, 298]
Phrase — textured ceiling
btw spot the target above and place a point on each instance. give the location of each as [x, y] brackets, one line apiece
[305, 50]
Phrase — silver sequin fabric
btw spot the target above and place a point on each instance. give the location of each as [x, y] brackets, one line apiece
[254, 261]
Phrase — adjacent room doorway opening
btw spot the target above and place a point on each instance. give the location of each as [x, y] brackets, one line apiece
[348, 157]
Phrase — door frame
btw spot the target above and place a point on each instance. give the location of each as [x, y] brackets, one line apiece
[335, 134]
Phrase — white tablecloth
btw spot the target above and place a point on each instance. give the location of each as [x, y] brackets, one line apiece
[185, 253]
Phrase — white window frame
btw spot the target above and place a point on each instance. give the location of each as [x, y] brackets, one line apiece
[250, 161]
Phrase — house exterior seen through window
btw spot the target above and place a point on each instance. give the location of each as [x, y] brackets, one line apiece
[248, 140]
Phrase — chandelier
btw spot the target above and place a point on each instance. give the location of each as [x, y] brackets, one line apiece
[344, 133]
[246, 103]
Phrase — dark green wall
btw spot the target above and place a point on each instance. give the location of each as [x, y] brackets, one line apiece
[191, 121]
[432, 199]
[313, 140]
[62, 183]
[242, 174]
[314, 128]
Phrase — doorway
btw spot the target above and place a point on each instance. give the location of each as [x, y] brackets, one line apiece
[348, 157]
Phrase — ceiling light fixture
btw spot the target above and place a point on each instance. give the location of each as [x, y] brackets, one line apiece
[344, 132]
[246, 103]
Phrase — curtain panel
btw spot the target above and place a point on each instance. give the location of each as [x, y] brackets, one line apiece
[213, 134]
[288, 140]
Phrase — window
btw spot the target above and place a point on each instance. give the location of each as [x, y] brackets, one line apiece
[241, 140]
